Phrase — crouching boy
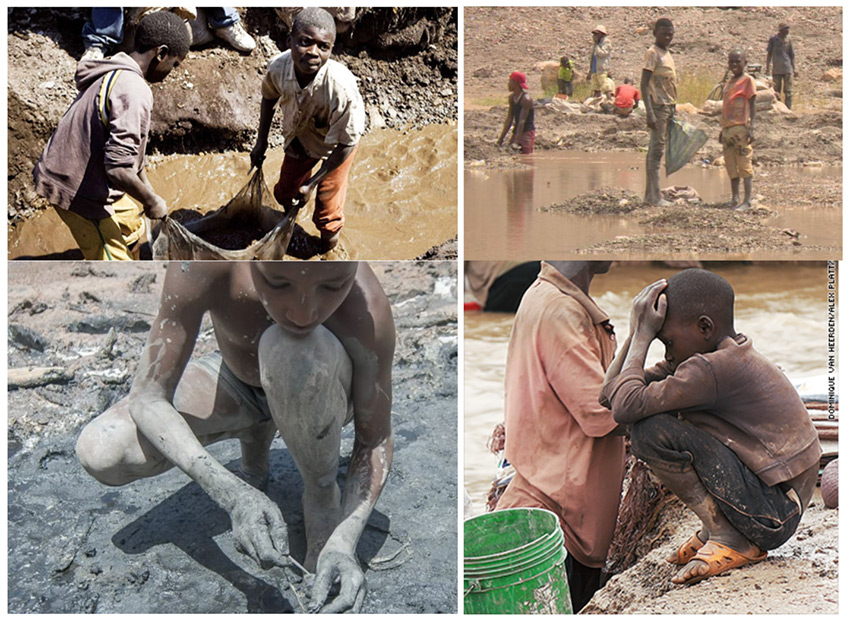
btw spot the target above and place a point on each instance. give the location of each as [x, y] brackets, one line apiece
[303, 350]
[718, 424]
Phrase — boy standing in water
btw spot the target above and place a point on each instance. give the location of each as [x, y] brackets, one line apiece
[303, 350]
[721, 426]
[520, 115]
[736, 122]
[658, 85]
[95, 160]
[323, 120]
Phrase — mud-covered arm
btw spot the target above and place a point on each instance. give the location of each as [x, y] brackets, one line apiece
[645, 81]
[507, 124]
[258, 531]
[371, 458]
[258, 153]
[752, 104]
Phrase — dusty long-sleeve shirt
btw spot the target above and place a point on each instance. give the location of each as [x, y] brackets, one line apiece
[733, 393]
[71, 173]
[559, 349]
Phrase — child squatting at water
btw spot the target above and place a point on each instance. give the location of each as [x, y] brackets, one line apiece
[323, 120]
[304, 349]
[720, 425]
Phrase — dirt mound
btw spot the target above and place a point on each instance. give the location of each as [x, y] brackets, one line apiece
[606, 200]
[530, 36]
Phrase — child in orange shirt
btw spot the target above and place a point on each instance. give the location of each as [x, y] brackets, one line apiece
[736, 134]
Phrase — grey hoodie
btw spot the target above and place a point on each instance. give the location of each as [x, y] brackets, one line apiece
[71, 173]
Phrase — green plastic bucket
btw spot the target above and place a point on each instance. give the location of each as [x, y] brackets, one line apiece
[513, 563]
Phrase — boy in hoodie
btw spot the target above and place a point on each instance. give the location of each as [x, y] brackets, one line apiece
[95, 159]
[721, 426]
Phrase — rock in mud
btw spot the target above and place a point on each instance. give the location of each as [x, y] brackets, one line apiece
[36, 377]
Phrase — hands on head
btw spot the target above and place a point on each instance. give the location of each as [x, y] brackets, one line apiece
[649, 309]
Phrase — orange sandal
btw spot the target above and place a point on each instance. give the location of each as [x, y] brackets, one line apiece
[687, 550]
[719, 558]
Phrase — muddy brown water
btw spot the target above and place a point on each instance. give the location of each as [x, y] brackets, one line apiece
[401, 200]
[782, 308]
[503, 217]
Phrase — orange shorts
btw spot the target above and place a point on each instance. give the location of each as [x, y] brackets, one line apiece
[330, 194]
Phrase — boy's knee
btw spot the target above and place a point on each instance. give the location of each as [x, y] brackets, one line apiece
[109, 449]
[302, 363]
[648, 433]
[99, 456]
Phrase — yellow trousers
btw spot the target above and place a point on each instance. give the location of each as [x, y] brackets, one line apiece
[114, 238]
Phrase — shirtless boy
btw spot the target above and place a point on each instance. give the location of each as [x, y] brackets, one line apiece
[718, 424]
[323, 118]
[304, 349]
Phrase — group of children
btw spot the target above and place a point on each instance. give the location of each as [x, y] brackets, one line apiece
[93, 166]
[658, 86]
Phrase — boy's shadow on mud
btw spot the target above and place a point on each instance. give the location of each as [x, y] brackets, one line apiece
[191, 521]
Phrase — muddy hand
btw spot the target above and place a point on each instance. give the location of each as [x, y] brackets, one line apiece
[335, 564]
[304, 193]
[259, 530]
[649, 309]
[156, 209]
[258, 155]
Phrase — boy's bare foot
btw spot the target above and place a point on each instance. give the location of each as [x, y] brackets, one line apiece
[714, 558]
[743, 206]
[661, 203]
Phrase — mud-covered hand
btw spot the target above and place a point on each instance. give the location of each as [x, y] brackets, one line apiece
[258, 154]
[336, 564]
[259, 530]
[156, 208]
[303, 195]
[650, 122]
[649, 309]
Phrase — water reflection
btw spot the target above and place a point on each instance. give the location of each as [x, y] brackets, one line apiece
[494, 198]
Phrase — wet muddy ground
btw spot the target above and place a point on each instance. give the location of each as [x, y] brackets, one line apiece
[401, 199]
[782, 307]
[563, 204]
[162, 545]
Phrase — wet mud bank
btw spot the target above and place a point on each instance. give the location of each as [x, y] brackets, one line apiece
[406, 60]
[161, 545]
[800, 577]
